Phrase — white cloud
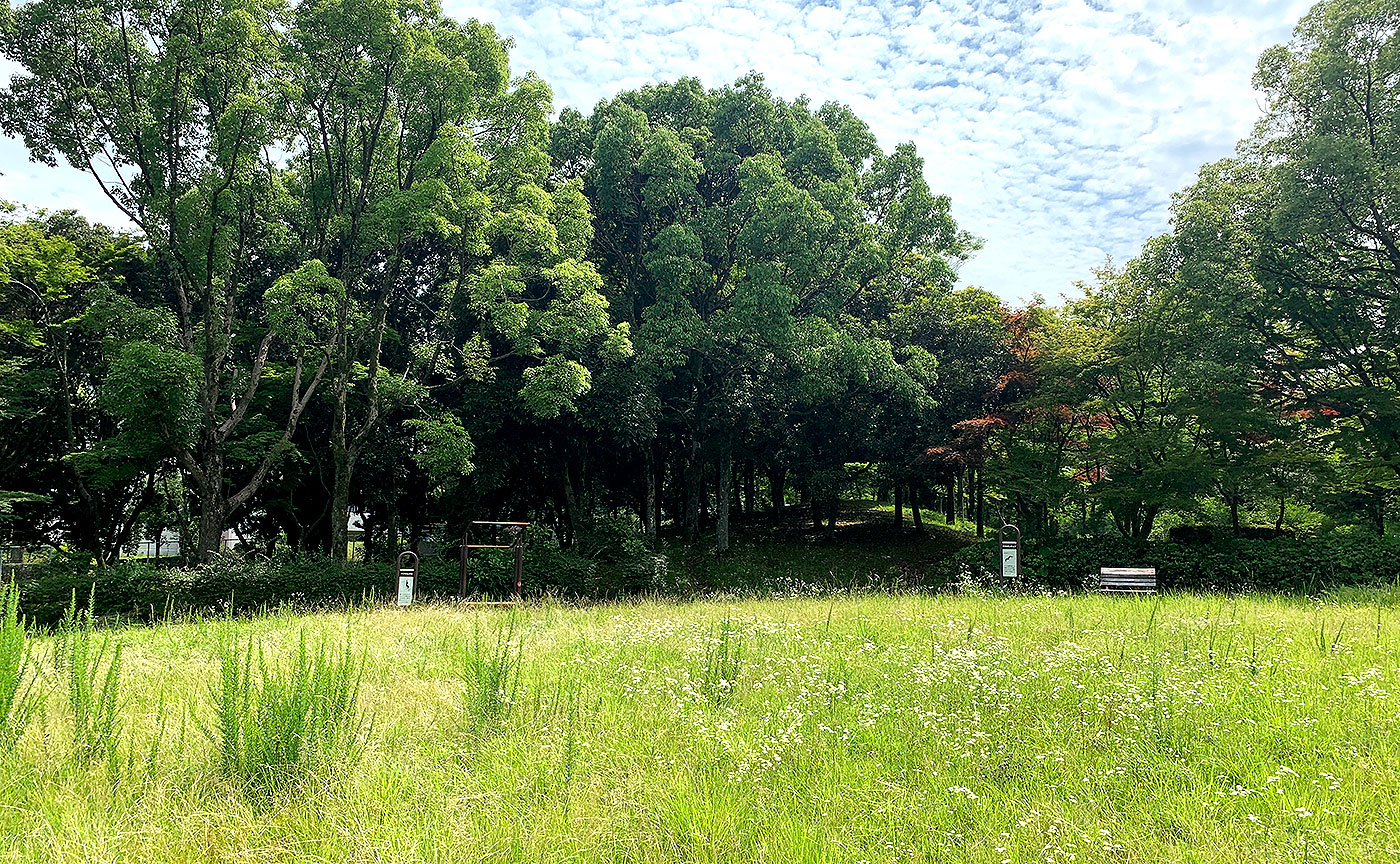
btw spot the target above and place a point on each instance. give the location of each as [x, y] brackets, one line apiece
[1060, 128]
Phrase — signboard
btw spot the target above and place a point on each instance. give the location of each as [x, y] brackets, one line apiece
[407, 568]
[1010, 561]
[1009, 538]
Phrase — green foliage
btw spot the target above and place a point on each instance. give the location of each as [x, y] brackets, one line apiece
[154, 390]
[302, 306]
[444, 450]
[551, 388]
[369, 265]
[277, 724]
[19, 700]
[89, 665]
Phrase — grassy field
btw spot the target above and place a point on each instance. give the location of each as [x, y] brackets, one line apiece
[857, 728]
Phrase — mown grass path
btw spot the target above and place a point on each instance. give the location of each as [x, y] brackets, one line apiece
[867, 728]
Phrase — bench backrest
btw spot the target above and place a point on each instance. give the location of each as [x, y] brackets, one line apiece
[1128, 580]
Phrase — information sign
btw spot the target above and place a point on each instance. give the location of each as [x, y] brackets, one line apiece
[1009, 538]
[407, 568]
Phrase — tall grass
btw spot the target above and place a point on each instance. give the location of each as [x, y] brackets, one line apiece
[868, 727]
[275, 724]
[490, 672]
[723, 662]
[19, 700]
[89, 664]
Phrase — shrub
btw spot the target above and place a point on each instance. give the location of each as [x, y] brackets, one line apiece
[231, 583]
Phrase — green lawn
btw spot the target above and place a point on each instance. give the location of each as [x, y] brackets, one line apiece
[862, 728]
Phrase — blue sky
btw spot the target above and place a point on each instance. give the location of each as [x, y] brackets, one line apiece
[1059, 128]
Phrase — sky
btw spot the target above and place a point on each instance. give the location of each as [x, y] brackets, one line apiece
[1060, 129]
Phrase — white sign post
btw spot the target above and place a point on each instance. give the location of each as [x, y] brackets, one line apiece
[1010, 552]
[407, 569]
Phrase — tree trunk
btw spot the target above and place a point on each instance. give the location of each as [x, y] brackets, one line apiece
[1149, 516]
[213, 506]
[212, 514]
[833, 508]
[950, 516]
[748, 487]
[899, 506]
[649, 505]
[1278, 526]
[722, 493]
[340, 502]
[777, 481]
[981, 498]
[1235, 514]
[658, 462]
[570, 505]
[914, 506]
[693, 481]
[706, 482]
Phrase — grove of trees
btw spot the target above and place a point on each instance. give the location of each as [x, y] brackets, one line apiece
[366, 273]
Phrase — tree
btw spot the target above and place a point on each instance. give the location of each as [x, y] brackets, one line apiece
[729, 223]
[171, 108]
[421, 177]
[86, 475]
[1326, 159]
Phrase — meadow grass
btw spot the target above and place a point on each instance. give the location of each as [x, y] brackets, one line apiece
[844, 728]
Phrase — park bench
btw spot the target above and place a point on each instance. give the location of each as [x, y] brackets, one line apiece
[1127, 580]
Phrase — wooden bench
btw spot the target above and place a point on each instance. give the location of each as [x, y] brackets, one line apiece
[1127, 580]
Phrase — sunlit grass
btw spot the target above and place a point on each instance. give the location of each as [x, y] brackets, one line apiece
[854, 728]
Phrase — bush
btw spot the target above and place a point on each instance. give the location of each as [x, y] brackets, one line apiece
[139, 590]
[229, 584]
[1280, 564]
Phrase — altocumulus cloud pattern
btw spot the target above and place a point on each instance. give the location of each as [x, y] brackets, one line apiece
[1059, 128]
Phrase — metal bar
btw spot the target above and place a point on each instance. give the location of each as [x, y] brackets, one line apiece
[487, 546]
[519, 568]
[520, 524]
[466, 553]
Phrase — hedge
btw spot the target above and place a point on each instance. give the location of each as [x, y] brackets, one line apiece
[142, 590]
[1285, 565]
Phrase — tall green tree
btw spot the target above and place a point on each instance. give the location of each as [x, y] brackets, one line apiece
[172, 109]
[728, 223]
[1326, 157]
[421, 181]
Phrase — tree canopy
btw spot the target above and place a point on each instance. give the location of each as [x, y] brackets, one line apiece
[367, 277]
